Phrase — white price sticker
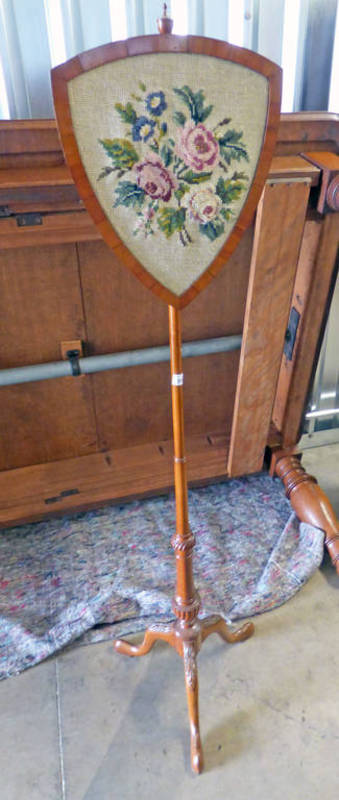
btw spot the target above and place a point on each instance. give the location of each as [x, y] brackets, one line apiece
[178, 379]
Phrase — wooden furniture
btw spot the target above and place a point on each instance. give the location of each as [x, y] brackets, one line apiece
[172, 169]
[66, 445]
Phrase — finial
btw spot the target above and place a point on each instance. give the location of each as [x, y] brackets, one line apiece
[165, 23]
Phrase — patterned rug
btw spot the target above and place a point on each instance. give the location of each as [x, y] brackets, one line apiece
[110, 572]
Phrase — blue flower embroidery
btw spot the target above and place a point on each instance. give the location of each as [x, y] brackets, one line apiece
[142, 129]
[156, 103]
[160, 177]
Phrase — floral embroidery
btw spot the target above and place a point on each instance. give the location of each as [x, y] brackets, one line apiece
[156, 103]
[154, 179]
[204, 204]
[172, 170]
[143, 129]
[197, 146]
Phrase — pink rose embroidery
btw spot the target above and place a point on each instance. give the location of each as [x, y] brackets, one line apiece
[168, 167]
[154, 179]
[203, 204]
[197, 146]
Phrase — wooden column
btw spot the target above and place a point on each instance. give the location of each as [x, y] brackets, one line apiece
[318, 266]
[186, 602]
[277, 240]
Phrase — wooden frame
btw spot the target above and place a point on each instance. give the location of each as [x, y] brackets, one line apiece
[144, 45]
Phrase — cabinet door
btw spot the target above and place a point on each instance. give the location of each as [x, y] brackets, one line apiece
[41, 306]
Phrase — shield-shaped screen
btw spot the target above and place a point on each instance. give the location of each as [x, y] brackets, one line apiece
[170, 144]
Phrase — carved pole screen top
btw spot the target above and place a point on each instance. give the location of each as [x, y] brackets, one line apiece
[169, 141]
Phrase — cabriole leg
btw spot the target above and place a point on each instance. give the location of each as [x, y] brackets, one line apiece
[152, 635]
[192, 691]
[218, 625]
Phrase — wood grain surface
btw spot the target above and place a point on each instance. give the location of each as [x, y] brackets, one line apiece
[320, 265]
[73, 484]
[41, 305]
[278, 235]
[300, 299]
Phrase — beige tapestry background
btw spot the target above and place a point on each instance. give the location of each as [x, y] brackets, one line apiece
[170, 144]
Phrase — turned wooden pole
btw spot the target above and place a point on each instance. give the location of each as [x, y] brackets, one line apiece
[308, 500]
[186, 601]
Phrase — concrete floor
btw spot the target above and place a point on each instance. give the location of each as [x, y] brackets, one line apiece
[93, 725]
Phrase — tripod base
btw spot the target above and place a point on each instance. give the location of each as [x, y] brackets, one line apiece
[187, 638]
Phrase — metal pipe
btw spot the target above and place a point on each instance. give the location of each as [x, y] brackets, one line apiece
[324, 412]
[130, 358]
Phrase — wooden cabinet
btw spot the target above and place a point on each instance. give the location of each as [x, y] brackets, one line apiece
[74, 442]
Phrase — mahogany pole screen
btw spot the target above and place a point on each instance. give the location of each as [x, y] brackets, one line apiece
[169, 141]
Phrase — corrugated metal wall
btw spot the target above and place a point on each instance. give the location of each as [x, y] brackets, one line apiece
[38, 34]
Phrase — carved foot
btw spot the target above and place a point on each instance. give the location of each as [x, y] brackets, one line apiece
[218, 625]
[152, 635]
[191, 680]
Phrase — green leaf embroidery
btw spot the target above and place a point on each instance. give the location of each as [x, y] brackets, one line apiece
[105, 171]
[129, 194]
[212, 229]
[239, 176]
[180, 191]
[205, 113]
[127, 112]
[142, 86]
[230, 153]
[231, 146]
[194, 102]
[226, 213]
[230, 137]
[229, 190]
[171, 219]
[221, 189]
[195, 177]
[235, 190]
[121, 151]
[166, 155]
[179, 118]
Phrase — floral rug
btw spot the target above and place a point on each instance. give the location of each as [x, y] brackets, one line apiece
[110, 572]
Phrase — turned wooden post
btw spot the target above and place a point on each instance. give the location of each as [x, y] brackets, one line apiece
[188, 632]
[186, 602]
[308, 500]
